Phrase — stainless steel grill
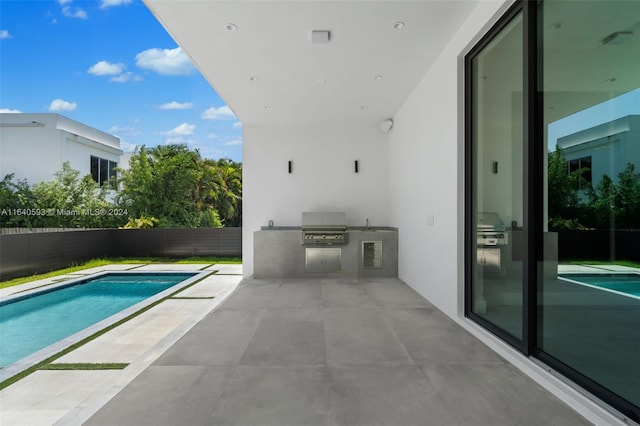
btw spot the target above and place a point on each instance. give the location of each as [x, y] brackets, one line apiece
[320, 228]
[491, 230]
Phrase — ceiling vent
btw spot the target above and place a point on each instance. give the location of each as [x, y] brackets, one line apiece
[320, 36]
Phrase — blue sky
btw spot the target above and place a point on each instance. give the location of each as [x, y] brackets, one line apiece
[110, 65]
[612, 109]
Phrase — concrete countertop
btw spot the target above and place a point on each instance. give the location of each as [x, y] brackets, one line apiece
[349, 228]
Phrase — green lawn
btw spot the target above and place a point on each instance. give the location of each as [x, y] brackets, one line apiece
[118, 260]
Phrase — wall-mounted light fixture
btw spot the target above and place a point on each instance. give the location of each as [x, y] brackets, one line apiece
[355, 166]
[290, 166]
[494, 167]
[386, 125]
[320, 36]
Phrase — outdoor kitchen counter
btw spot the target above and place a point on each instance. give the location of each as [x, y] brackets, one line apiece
[278, 253]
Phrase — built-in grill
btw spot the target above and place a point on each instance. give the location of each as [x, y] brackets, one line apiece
[491, 230]
[324, 228]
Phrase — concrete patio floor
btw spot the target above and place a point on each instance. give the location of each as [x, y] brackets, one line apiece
[330, 352]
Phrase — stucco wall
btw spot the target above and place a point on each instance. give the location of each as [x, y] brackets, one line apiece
[322, 178]
[32, 153]
[36, 153]
[426, 170]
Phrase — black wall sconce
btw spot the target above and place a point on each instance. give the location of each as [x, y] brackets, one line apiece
[495, 167]
[290, 166]
[356, 166]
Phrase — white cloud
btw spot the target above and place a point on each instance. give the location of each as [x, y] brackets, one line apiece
[221, 113]
[234, 143]
[63, 2]
[125, 77]
[108, 3]
[124, 131]
[5, 34]
[127, 146]
[61, 105]
[10, 111]
[237, 124]
[175, 105]
[106, 68]
[165, 61]
[184, 129]
[212, 136]
[76, 13]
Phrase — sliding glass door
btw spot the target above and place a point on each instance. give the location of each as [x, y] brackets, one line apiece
[496, 158]
[589, 293]
[553, 190]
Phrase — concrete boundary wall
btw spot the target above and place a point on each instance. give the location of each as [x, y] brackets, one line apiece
[33, 253]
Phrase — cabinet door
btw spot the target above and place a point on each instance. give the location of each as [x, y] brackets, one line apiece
[489, 259]
[332, 260]
[323, 259]
[314, 259]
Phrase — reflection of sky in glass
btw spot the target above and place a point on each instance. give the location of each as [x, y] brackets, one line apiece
[615, 108]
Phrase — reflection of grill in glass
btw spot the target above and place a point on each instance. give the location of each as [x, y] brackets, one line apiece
[490, 230]
[324, 228]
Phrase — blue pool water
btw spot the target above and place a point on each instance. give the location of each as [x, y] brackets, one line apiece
[623, 283]
[38, 320]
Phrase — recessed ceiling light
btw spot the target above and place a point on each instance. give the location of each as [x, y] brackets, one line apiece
[321, 81]
[231, 27]
[398, 25]
[556, 25]
[253, 78]
[364, 107]
[377, 77]
[267, 107]
[611, 80]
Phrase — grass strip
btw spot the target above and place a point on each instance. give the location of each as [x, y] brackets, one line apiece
[93, 263]
[11, 380]
[85, 366]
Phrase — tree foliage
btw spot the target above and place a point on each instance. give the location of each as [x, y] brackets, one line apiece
[607, 205]
[563, 197]
[67, 201]
[165, 186]
[16, 197]
[181, 189]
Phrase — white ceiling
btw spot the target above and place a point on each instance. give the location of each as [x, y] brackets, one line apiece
[303, 83]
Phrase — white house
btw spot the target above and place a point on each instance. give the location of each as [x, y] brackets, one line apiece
[605, 149]
[445, 107]
[35, 146]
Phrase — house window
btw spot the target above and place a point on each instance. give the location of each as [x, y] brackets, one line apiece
[102, 170]
[583, 164]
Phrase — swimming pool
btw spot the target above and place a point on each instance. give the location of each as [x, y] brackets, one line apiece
[627, 284]
[32, 321]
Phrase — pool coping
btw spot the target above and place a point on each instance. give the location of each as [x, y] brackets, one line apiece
[60, 346]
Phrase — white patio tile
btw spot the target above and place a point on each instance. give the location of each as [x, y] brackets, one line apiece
[212, 286]
[226, 269]
[172, 267]
[44, 397]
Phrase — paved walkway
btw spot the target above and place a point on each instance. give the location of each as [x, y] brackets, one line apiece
[48, 397]
[328, 352]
